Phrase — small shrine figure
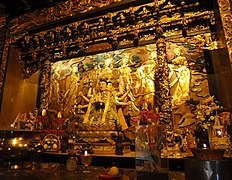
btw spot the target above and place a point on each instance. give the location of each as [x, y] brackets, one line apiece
[107, 70]
[144, 15]
[94, 30]
[109, 25]
[121, 20]
[49, 38]
[85, 30]
[101, 27]
[25, 43]
[131, 16]
[68, 33]
[36, 42]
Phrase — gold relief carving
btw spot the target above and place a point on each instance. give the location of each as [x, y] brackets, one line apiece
[226, 17]
[118, 29]
[89, 31]
[224, 6]
[61, 10]
[129, 74]
[125, 42]
[70, 8]
[26, 22]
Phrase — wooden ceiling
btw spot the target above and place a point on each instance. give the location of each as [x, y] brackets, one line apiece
[13, 8]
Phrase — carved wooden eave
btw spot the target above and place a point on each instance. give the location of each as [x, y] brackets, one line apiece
[63, 13]
[62, 10]
[119, 25]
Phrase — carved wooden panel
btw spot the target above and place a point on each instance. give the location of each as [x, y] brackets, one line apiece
[131, 26]
[226, 17]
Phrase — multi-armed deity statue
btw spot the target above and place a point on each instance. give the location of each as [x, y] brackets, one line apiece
[109, 96]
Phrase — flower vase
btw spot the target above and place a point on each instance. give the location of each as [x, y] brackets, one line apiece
[148, 144]
[156, 157]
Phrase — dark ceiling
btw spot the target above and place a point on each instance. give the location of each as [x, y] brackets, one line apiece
[13, 8]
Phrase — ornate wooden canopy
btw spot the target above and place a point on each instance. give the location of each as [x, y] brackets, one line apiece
[119, 25]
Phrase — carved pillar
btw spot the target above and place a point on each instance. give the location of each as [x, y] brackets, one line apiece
[163, 80]
[44, 85]
[2, 35]
[226, 16]
[4, 48]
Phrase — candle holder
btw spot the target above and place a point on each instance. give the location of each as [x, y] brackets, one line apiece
[86, 160]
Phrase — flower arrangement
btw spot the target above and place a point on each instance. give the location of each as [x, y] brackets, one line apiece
[148, 117]
[207, 111]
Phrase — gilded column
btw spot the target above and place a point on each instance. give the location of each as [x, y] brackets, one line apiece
[162, 76]
[44, 86]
